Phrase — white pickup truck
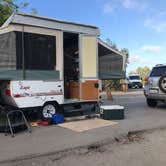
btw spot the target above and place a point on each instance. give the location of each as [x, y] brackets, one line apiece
[28, 94]
[134, 81]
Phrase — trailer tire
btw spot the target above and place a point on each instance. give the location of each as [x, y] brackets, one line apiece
[49, 109]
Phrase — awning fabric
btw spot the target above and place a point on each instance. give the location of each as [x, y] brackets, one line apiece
[110, 62]
[28, 75]
[112, 75]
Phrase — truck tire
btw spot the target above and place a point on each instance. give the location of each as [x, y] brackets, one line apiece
[162, 83]
[151, 102]
[49, 109]
[141, 86]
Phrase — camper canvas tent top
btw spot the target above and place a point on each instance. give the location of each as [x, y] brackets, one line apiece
[14, 41]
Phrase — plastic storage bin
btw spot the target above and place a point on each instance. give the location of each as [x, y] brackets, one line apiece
[112, 112]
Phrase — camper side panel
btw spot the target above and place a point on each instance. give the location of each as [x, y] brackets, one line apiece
[8, 51]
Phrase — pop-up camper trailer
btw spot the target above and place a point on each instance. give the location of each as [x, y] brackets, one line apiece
[34, 48]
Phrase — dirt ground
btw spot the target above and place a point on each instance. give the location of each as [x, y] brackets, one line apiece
[142, 148]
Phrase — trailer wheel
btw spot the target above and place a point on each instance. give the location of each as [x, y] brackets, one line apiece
[48, 110]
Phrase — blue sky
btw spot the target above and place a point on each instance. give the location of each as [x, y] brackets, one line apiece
[138, 25]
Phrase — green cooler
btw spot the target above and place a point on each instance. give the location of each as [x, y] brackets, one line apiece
[112, 112]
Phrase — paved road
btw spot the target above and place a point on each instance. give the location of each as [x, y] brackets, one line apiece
[53, 138]
[137, 149]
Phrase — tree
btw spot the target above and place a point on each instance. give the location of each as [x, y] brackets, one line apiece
[7, 7]
[125, 52]
[108, 41]
[34, 11]
[142, 71]
[114, 46]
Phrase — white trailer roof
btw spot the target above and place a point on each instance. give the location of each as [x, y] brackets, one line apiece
[45, 22]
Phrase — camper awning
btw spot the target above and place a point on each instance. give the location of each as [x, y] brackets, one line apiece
[111, 62]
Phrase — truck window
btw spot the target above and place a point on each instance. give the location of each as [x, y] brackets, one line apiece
[158, 71]
[134, 77]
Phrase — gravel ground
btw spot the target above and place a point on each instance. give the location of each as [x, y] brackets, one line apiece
[141, 148]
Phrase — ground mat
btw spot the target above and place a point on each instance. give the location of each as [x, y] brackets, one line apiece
[85, 125]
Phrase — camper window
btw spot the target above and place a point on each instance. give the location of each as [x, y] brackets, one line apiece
[39, 51]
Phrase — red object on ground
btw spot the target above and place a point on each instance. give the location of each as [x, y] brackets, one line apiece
[43, 123]
[8, 92]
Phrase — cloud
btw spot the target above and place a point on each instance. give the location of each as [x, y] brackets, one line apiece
[134, 58]
[136, 61]
[156, 25]
[108, 7]
[133, 4]
[157, 21]
[147, 55]
[111, 5]
[153, 49]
